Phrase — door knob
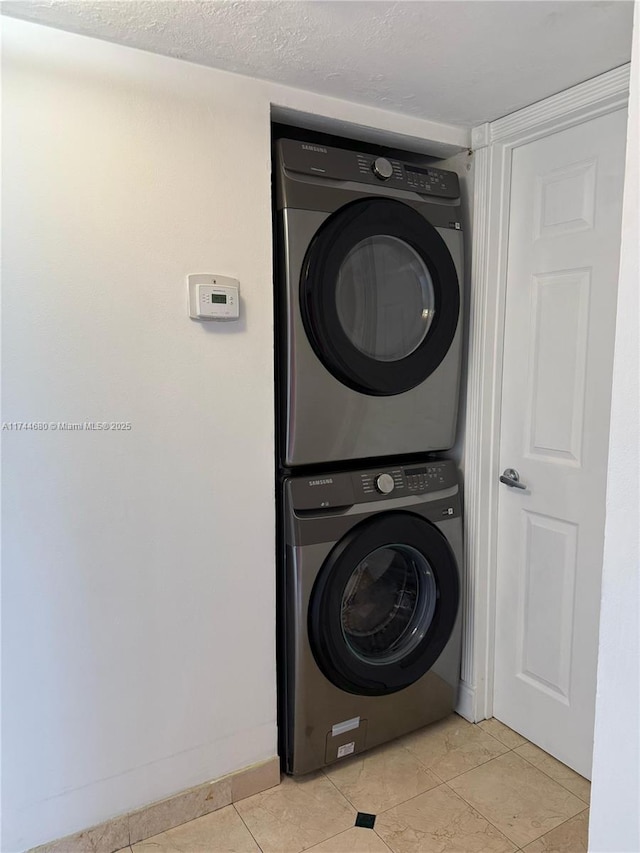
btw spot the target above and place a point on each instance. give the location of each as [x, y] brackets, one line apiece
[510, 477]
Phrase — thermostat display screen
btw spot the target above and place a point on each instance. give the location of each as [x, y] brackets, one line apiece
[219, 297]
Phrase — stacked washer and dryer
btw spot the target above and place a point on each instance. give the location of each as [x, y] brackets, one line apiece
[369, 338]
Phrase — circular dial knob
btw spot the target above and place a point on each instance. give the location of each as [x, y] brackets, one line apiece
[382, 168]
[384, 483]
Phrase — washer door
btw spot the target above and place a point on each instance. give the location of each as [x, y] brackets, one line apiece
[380, 296]
[384, 604]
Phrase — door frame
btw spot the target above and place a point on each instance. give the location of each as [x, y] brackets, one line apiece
[493, 144]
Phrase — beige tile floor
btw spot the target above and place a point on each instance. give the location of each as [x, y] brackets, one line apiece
[452, 787]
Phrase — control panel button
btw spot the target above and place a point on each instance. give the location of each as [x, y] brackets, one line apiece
[382, 168]
[384, 483]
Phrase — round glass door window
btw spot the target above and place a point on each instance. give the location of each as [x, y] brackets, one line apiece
[388, 604]
[385, 298]
[379, 296]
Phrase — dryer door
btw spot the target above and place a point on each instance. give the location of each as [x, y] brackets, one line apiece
[380, 296]
[384, 604]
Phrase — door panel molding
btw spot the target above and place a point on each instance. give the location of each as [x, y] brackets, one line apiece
[566, 334]
[581, 177]
[493, 144]
[551, 594]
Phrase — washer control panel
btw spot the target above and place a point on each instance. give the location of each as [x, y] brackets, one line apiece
[406, 480]
[339, 164]
[345, 488]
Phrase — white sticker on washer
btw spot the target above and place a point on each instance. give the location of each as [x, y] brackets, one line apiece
[346, 749]
[345, 726]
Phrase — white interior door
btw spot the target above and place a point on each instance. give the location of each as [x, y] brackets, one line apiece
[562, 272]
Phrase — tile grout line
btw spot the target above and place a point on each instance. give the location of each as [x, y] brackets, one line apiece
[343, 795]
[557, 827]
[382, 839]
[439, 783]
[422, 764]
[482, 764]
[430, 770]
[481, 814]
[324, 840]
[514, 748]
[497, 739]
[335, 835]
[245, 824]
[587, 803]
[377, 813]
[476, 726]
[445, 781]
[477, 810]
[409, 799]
[456, 794]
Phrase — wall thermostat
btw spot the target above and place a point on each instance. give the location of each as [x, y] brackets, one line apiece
[213, 297]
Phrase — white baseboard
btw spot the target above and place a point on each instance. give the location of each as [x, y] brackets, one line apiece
[466, 705]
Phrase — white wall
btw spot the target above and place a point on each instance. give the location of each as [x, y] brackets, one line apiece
[615, 794]
[138, 566]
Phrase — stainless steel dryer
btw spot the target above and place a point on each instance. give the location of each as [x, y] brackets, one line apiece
[369, 608]
[369, 300]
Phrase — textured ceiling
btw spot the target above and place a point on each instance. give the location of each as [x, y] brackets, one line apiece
[455, 61]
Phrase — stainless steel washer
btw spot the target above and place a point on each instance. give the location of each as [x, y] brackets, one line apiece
[370, 262]
[369, 608]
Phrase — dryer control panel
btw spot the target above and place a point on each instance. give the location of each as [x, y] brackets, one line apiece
[339, 164]
[326, 491]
